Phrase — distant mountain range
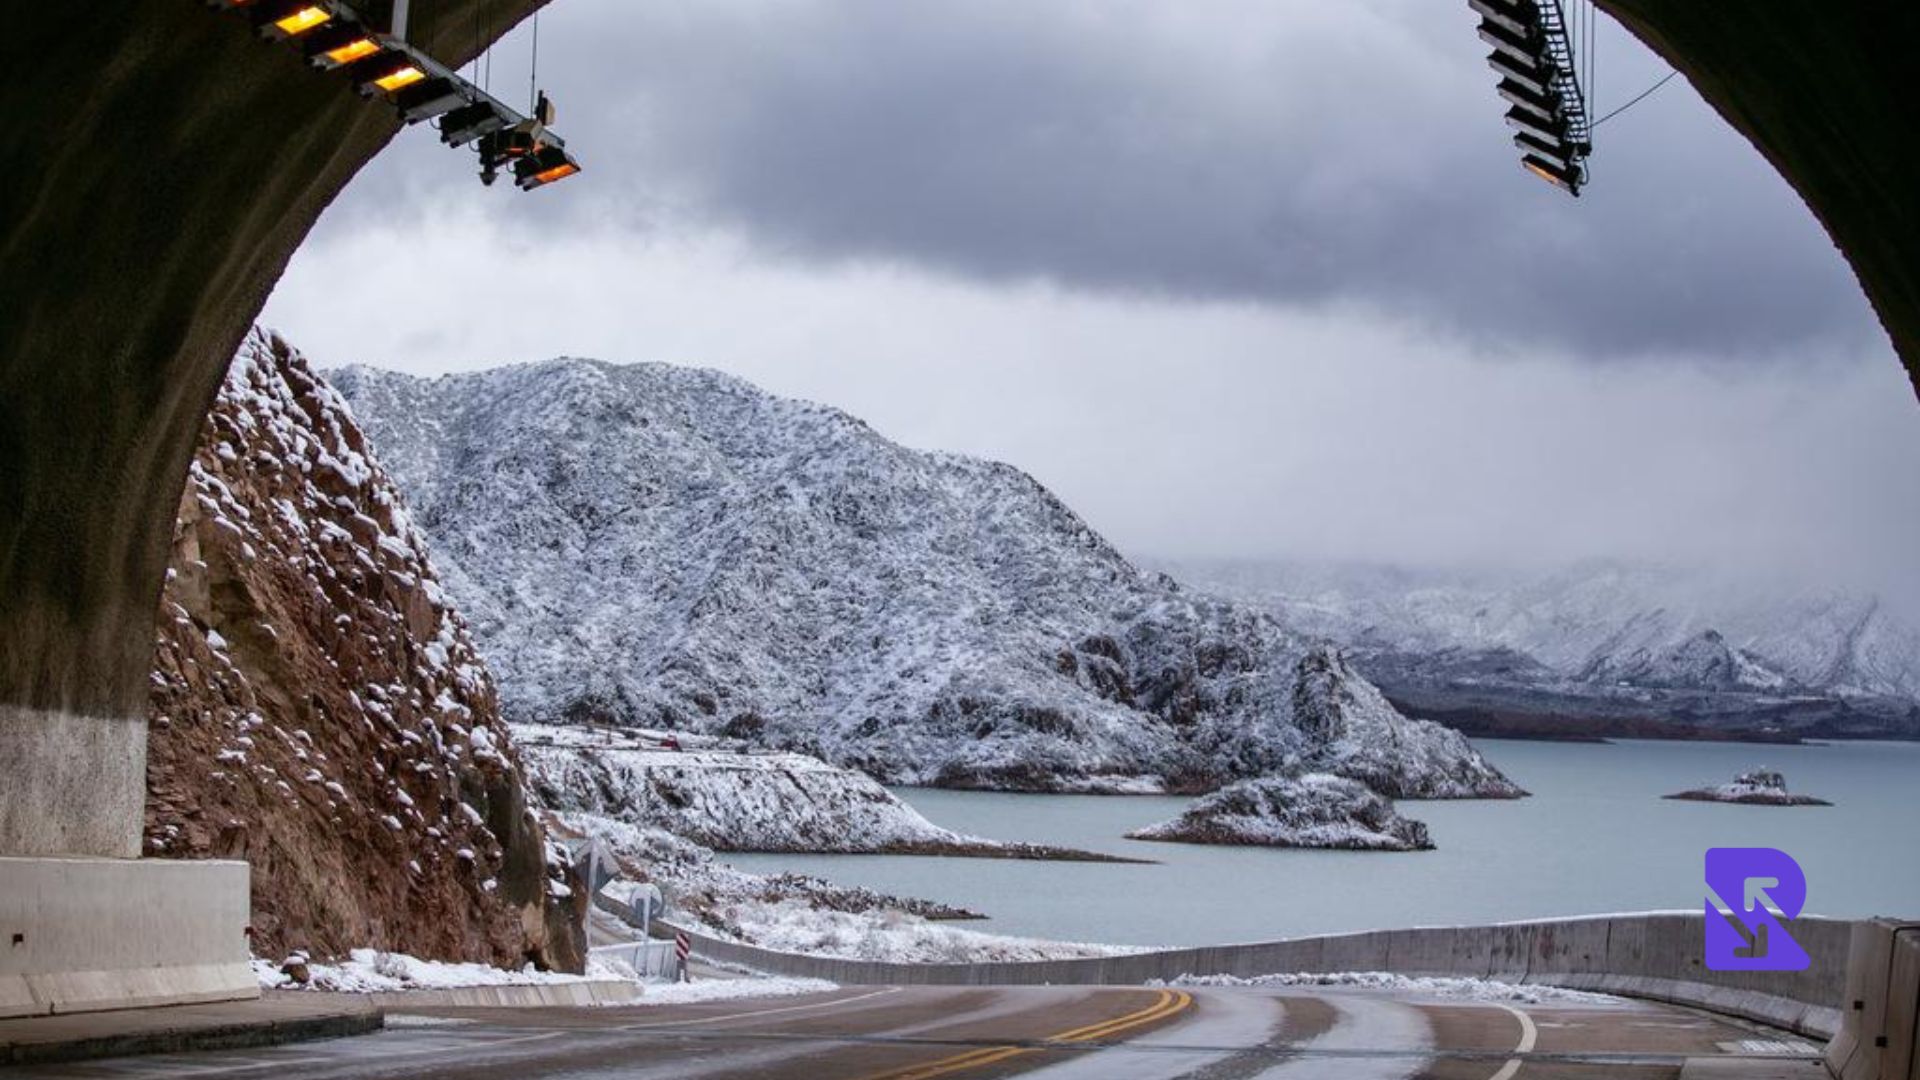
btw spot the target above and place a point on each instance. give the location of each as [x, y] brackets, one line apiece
[671, 548]
[1600, 648]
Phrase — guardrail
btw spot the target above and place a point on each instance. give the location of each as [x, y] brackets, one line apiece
[1657, 956]
[1879, 1036]
[648, 959]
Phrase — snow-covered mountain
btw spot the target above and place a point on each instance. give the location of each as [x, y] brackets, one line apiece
[1623, 641]
[655, 546]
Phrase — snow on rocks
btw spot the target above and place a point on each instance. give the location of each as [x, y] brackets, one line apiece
[300, 647]
[732, 798]
[695, 881]
[1761, 787]
[1311, 811]
[794, 913]
[651, 546]
[1361, 736]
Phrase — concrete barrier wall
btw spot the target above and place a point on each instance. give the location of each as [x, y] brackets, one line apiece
[1878, 1036]
[537, 995]
[1656, 956]
[86, 934]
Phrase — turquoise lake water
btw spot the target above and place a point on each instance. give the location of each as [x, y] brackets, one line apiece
[1595, 837]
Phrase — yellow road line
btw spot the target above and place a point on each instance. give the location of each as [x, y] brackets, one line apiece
[1167, 1004]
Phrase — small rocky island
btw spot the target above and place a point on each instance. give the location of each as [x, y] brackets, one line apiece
[1316, 810]
[1761, 787]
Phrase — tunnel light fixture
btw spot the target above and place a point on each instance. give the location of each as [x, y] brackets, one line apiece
[507, 146]
[1533, 56]
[1554, 153]
[543, 166]
[1514, 19]
[386, 71]
[1520, 73]
[1547, 130]
[333, 35]
[303, 20]
[288, 18]
[470, 122]
[357, 49]
[1559, 176]
[1544, 106]
[428, 98]
[405, 74]
[341, 43]
[1518, 47]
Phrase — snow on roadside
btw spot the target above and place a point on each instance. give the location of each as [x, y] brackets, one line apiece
[1464, 989]
[890, 936]
[369, 971]
[730, 990]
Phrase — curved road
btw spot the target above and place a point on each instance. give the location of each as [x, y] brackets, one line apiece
[1046, 1033]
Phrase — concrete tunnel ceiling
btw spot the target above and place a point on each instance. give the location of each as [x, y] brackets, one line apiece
[165, 165]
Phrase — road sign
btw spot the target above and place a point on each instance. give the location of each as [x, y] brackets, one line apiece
[644, 904]
[683, 948]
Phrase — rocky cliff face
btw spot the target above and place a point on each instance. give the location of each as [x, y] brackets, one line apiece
[317, 708]
[663, 547]
[1364, 738]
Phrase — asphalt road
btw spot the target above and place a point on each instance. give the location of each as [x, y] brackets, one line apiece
[1055, 1033]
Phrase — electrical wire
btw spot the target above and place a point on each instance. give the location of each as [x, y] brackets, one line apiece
[479, 40]
[1643, 95]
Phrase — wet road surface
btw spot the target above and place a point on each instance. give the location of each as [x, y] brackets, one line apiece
[1046, 1033]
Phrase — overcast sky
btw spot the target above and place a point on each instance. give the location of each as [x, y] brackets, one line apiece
[1236, 277]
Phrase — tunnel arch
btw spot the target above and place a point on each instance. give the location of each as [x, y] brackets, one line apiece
[163, 165]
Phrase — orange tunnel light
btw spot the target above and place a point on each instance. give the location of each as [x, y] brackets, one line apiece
[303, 20]
[394, 80]
[351, 51]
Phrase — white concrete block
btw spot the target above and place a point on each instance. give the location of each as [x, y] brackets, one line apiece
[78, 935]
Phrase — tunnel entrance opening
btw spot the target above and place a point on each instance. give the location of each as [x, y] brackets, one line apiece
[131, 269]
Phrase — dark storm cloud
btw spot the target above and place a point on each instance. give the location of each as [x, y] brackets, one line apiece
[862, 202]
[1214, 149]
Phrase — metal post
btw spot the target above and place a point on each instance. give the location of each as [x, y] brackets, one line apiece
[400, 18]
